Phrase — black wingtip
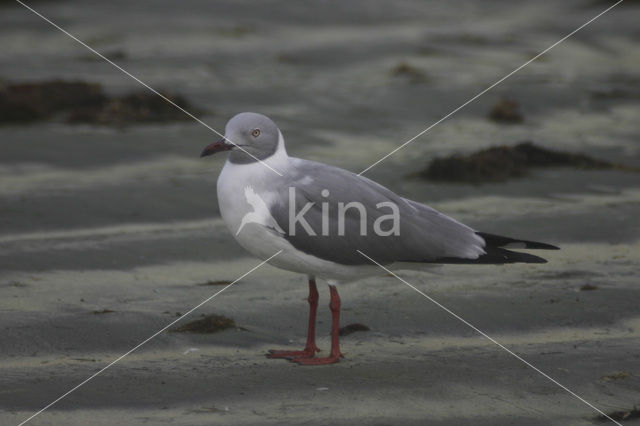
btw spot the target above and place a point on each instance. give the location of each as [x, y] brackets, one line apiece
[538, 246]
[494, 256]
[548, 247]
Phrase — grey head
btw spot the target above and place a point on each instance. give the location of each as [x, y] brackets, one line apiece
[249, 136]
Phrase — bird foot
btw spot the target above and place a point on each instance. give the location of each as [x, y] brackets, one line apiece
[305, 353]
[331, 359]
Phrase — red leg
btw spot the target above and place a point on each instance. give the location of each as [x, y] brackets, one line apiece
[335, 354]
[310, 348]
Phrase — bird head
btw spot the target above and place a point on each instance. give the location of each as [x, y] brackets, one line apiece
[250, 137]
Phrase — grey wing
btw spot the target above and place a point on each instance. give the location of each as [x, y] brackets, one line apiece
[328, 227]
[446, 236]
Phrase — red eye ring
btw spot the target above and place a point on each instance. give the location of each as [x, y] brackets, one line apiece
[255, 133]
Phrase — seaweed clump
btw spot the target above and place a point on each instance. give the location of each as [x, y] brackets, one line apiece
[25, 102]
[215, 282]
[208, 324]
[506, 111]
[634, 413]
[138, 107]
[409, 72]
[82, 102]
[352, 328]
[500, 163]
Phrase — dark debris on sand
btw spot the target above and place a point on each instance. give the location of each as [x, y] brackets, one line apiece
[634, 413]
[588, 287]
[506, 111]
[352, 328]
[208, 324]
[139, 107]
[409, 72]
[82, 102]
[25, 102]
[215, 282]
[619, 375]
[500, 163]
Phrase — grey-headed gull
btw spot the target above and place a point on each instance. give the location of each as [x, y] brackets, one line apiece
[326, 219]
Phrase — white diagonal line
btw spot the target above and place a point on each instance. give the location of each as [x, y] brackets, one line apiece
[148, 339]
[142, 83]
[500, 345]
[492, 86]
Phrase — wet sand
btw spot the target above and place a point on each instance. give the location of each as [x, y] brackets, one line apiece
[97, 218]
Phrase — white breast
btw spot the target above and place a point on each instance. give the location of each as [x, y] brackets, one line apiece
[242, 195]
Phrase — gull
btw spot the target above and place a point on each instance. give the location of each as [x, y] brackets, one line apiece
[334, 224]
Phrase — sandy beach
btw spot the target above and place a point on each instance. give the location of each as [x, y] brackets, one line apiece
[110, 232]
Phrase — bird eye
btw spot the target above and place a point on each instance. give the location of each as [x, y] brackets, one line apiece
[255, 133]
